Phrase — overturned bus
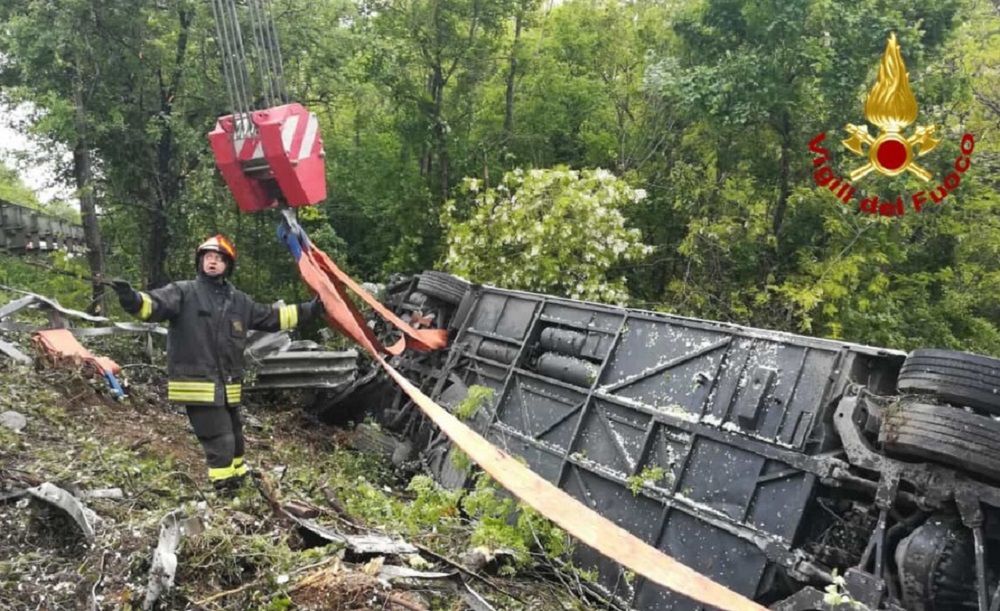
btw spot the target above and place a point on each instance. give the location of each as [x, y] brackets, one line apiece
[776, 464]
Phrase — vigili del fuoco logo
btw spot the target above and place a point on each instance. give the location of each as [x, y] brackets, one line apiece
[892, 108]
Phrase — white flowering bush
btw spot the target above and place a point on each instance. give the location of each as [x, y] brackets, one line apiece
[557, 231]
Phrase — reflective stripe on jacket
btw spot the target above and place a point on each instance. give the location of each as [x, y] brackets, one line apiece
[208, 322]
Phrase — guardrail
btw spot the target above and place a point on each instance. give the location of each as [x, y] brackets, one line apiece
[24, 229]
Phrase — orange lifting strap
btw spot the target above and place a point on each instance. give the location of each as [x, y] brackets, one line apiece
[329, 282]
[580, 521]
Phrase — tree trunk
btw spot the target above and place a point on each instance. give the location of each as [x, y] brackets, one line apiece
[784, 177]
[166, 190]
[440, 132]
[167, 174]
[508, 116]
[158, 242]
[83, 175]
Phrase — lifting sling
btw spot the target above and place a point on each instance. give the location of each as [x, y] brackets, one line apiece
[274, 156]
[580, 521]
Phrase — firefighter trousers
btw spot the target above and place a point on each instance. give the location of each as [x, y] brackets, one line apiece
[220, 431]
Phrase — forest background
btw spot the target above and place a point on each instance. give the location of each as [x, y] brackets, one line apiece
[652, 153]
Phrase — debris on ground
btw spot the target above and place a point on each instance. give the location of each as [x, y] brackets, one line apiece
[59, 347]
[337, 527]
[14, 353]
[358, 544]
[164, 564]
[55, 496]
[55, 339]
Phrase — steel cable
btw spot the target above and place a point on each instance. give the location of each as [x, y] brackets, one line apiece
[279, 72]
[224, 56]
[241, 105]
[242, 75]
[263, 67]
[241, 70]
[225, 49]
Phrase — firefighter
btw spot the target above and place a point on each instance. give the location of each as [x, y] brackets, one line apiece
[208, 322]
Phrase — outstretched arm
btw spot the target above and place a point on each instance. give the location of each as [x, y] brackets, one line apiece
[153, 306]
[281, 318]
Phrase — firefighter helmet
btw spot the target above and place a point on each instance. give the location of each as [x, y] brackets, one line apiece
[220, 244]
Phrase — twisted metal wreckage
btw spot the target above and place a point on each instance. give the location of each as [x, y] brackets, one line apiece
[274, 158]
[785, 467]
[277, 361]
[767, 461]
[700, 464]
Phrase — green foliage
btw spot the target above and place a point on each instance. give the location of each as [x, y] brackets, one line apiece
[760, 243]
[478, 397]
[13, 190]
[280, 602]
[502, 523]
[56, 275]
[460, 460]
[698, 105]
[836, 595]
[648, 476]
[558, 231]
[431, 507]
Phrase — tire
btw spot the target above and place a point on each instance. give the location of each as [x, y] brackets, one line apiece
[945, 435]
[960, 378]
[442, 286]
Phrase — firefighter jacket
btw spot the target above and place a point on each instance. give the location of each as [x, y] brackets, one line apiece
[208, 321]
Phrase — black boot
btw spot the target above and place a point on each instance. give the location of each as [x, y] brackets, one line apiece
[228, 487]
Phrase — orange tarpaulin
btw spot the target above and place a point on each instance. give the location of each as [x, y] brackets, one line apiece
[61, 344]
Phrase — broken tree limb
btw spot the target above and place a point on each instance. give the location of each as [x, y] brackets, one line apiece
[474, 600]
[458, 566]
[392, 599]
[218, 595]
[21, 476]
[94, 606]
[301, 510]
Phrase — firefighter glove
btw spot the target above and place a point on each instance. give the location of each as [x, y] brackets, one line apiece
[127, 296]
[313, 308]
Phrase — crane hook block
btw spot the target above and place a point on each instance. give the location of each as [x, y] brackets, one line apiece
[276, 157]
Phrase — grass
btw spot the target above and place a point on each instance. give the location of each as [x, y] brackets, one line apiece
[247, 557]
